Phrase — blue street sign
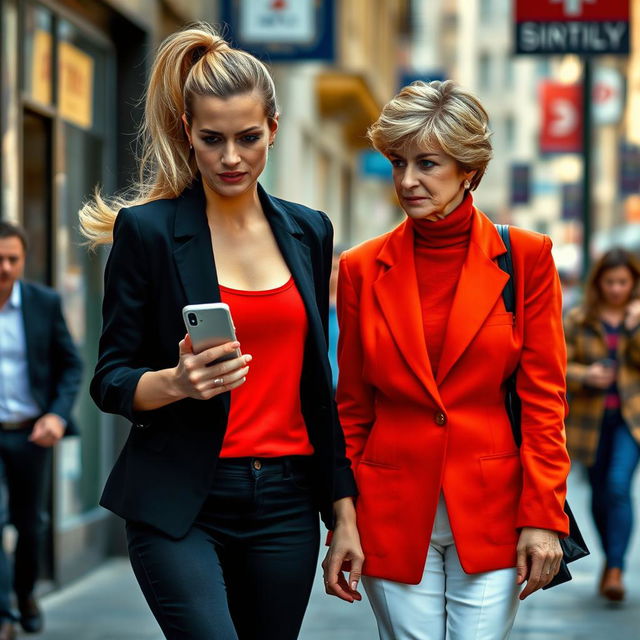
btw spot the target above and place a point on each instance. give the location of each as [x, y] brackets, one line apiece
[282, 30]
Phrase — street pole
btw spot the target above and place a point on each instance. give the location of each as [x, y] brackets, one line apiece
[586, 164]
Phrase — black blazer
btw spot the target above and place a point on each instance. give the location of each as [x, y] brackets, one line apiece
[53, 363]
[161, 260]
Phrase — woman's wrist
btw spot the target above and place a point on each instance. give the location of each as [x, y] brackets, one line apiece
[344, 511]
[172, 384]
[157, 389]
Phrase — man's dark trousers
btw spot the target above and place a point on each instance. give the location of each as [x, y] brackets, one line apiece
[54, 376]
[25, 468]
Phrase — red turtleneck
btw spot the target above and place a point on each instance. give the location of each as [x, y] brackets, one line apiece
[440, 250]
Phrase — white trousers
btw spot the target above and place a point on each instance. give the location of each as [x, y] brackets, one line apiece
[448, 604]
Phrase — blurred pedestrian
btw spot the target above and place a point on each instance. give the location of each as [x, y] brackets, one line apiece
[40, 375]
[225, 470]
[603, 428]
[338, 250]
[453, 517]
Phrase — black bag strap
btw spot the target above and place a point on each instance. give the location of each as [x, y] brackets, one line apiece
[512, 400]
[506, 264]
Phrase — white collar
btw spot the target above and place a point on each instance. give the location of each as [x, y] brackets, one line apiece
[15, 299]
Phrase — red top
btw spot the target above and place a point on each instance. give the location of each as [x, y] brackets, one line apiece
[266, 417]
[440, 250]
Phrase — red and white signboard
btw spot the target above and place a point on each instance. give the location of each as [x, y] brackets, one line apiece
[572, 26]
[561, 127]
[607, 95]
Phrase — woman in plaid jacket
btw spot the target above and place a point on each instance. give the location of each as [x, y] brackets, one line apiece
[603, 376]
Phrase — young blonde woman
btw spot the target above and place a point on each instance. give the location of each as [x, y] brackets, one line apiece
[226, 465]
[603, 427]
[454, 518]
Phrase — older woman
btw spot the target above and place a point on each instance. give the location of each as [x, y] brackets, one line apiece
[453, 516]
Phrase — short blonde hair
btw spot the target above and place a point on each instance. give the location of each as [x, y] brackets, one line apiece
[440, 114]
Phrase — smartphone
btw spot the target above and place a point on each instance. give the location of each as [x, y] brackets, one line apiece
[210, 325]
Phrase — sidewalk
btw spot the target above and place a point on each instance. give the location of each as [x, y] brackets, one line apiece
[107, 604]
[574, 611]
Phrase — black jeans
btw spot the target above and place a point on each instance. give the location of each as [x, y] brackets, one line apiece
[245, 569]
[25, 471]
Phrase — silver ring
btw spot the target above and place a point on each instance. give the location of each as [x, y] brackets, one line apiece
[218, 382]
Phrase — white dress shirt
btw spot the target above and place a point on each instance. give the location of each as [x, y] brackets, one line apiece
[16, 401]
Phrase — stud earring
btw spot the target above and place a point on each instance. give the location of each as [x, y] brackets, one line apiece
[271, 145]
[467, 184]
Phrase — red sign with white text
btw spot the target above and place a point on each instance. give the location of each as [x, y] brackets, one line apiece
[596, 10]
[587, 27]
[561, 122]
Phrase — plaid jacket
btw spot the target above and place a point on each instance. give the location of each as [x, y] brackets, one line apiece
[585, 345]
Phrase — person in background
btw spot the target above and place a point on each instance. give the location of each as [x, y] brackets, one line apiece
[338, 250]
[40, 374]
[603, 427]
[453, 517]
[227, 464]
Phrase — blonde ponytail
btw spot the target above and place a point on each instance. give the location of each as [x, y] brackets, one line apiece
[194, 61]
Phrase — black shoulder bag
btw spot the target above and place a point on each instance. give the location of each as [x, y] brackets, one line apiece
[573, 546]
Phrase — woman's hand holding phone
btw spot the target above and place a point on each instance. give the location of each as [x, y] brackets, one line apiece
[600, 375]
[198, 376]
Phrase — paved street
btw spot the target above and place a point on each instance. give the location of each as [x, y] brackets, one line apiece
[107, 605]
[574, 611]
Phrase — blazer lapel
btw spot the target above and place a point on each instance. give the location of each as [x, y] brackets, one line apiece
[194, 260]
[193, 253]
[398, 296]
[481, 284]
[289, 238]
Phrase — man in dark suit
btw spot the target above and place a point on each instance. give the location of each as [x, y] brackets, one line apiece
[40, 372]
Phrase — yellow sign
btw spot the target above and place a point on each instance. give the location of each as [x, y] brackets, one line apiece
[75, 85]
[41, 67]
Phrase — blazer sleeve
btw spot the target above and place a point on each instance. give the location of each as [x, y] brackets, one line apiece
[343, 481]
[126, 291]
[67, 365]
[541, 386]
[355, 396]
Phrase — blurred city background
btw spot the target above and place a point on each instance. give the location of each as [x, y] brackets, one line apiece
[73, 73]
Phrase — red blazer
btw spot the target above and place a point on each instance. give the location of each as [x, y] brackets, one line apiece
[409, 436]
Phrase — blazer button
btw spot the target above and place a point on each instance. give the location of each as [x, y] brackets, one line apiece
[440, 419]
